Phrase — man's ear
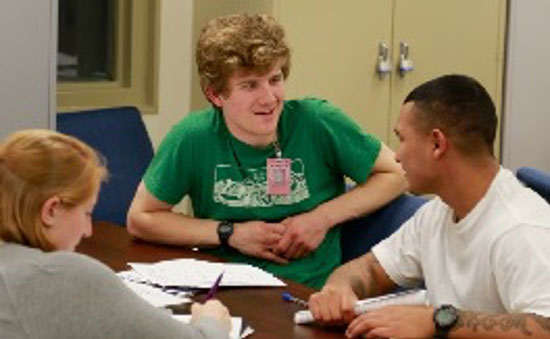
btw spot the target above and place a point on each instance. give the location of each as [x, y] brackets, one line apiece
[440, 143]
[214, 98]
[48, 211]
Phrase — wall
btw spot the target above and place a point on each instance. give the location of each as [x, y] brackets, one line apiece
[28, 32]
[175, 69]
[526, 108]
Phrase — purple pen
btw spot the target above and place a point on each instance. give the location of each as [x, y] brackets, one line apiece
[214, 287]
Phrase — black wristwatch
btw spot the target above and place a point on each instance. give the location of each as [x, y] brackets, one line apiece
[445, 318]
[225, 230]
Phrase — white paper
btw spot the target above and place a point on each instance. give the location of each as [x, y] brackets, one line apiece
[202, 274]
[153, 295]
[236, 324]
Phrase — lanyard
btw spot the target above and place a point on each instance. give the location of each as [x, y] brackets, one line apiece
[277, 147]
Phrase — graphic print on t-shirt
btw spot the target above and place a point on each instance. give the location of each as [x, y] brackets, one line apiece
[247, 187]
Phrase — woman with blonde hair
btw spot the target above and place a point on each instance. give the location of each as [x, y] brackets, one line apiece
[49, 184]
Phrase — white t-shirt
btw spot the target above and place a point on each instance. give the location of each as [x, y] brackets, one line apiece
[496, 259]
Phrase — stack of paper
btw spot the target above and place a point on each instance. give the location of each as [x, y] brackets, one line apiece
[154, 295]
[194, 273]
[170, 282]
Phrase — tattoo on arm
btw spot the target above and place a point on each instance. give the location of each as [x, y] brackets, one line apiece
[543, 322]
[505, 323]
[488, 322]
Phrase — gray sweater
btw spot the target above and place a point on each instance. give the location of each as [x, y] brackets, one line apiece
[62, 295]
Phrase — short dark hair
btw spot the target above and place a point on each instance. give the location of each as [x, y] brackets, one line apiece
[461, 107]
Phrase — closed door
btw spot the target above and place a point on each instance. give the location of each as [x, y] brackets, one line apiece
[335, 48]
[334, 53]
[453, 36]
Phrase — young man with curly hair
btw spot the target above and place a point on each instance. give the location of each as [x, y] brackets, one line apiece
[265, 175]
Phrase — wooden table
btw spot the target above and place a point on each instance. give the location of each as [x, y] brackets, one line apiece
[263, 308]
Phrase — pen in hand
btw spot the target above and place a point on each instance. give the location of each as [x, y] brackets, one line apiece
[214, 288]
[186, 308]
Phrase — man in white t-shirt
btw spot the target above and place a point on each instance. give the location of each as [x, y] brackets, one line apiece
[482, 246]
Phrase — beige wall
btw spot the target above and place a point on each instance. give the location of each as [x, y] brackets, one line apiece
[174, 67]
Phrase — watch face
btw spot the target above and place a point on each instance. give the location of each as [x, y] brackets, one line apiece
[445, 316]
[225, 228]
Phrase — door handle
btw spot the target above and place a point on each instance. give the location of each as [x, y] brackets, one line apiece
[405, 63]
[383, 64]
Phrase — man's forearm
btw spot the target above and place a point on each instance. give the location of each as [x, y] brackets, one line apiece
[172, 228]
[502, 326]
[363, 199]
[364, 275]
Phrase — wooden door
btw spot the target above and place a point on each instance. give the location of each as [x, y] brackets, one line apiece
[334, 54]
[452, 36]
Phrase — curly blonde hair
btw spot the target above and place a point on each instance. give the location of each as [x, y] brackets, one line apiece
[240, 42]
[36, 165]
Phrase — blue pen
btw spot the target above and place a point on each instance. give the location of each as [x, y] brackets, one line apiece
[289, 297]
[214, 287]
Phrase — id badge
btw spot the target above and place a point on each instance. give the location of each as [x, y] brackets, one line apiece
[278, 176]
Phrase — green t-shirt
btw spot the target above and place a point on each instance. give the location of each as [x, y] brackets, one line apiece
[226, 178]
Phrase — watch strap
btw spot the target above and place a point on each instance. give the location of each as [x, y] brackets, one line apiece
[225, 230]
[442, 331]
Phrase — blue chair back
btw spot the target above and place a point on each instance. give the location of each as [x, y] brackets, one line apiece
[119, 134]
[536, 180]
[360, 235]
